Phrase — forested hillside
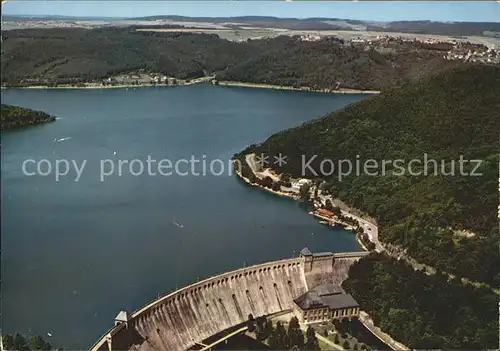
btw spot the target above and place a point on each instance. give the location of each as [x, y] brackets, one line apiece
[329, 64]
[93, 54]
[450, 116]
[16, 117]
[424, 311]
[74, 55]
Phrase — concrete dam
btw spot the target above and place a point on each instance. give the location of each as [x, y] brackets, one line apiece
[187, 316]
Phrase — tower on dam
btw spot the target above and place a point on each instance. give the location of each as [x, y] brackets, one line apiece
[180, 319]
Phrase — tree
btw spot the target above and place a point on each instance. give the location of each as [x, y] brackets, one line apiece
[245, 170]
[15, 342]
[281, 336]
[285, 177]
[268, 329]
[336, 338]
[267, 182]
[252, 178]
[337, 210]
[8, 342]
[312, 340]
[325, 188]
[19, 342]
[274, 341]
[251, 323]
[334, 191]
[304, 192]
[295, 335]
[317, 183]
[336, 324]
[325, 333]
[261, 331]
[329, 205]
[38, 343]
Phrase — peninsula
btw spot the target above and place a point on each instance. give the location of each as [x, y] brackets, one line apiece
[14, 117]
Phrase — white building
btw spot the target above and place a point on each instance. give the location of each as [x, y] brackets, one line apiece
[298, 184]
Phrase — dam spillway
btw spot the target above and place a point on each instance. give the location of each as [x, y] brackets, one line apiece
[194, 313]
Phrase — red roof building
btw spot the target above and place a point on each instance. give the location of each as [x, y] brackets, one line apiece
[325, 213]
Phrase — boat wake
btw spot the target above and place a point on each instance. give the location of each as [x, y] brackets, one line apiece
[178, 224]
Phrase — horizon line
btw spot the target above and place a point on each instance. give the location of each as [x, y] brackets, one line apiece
[241, 16]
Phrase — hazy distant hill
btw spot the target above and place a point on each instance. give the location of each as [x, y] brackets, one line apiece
[442, 28]
[56, 18]
[316, 23]
[319, 23]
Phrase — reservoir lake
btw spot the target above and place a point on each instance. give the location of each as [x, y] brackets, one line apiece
[75, 253]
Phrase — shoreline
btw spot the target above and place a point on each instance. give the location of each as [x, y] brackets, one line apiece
[278, 193]
[199, 81]
[120, 86]
[28, 124]
[84, 87]
[99, 85]
[284, 87]
[368, 224]
[295, 198]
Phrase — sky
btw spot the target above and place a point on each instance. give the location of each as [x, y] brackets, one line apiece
[479, 11]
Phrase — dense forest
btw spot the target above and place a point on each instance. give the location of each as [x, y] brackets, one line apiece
[450, 116]
[16, 117]
[279, 338]
[75, 55]
[424, 311]
[330, 63]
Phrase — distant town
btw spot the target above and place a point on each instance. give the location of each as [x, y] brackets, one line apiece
[455, 49]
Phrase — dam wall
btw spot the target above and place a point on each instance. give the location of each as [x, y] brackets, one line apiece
[196, 312]
[328, 267]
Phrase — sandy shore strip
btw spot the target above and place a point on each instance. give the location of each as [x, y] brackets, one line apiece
[282, 87]
[95, 85]
[122, 86]
[118, 86]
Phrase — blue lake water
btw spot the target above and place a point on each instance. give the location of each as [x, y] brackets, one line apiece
[76, 253]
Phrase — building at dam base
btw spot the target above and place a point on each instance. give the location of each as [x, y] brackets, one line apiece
[324, 302]
[185, 317]
[316, 306]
